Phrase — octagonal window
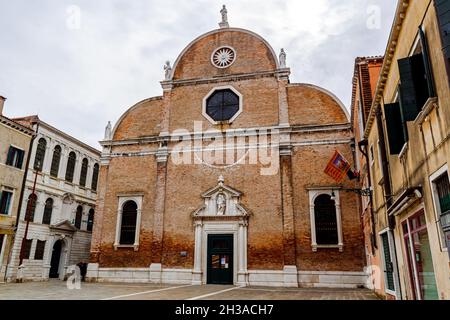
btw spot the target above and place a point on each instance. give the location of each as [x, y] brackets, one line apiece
[222, 105]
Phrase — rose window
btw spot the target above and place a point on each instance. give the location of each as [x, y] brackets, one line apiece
[223, 57]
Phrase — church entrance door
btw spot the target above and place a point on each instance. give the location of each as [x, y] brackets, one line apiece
[55, 261]
[220, 259]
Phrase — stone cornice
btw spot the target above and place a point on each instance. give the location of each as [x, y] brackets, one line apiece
[296, 129]
[17, 126]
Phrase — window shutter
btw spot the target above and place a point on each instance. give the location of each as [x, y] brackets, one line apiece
[388, 263]
[394, 127]
[443, 13]
[427, 63]
[20, 159]
[409, 103]
[9, 159]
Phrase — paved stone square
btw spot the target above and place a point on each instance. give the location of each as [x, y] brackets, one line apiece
[57, 290]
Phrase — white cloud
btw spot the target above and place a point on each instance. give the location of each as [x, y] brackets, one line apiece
[77, 80]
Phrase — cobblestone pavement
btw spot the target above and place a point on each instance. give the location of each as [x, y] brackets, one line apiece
[57, 290]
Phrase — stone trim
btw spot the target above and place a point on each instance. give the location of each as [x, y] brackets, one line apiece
[138, 199]
[313, 194]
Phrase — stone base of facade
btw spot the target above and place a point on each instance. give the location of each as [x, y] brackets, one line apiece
[289, 277]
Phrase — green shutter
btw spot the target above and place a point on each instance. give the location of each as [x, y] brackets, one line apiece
[443, 13]
[427, 63]
[388, 263]
[394, 127]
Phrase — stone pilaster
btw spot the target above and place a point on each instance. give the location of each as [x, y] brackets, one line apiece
[287, 206]
[160, 199]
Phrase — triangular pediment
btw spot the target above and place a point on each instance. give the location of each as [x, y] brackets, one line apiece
[64, 225]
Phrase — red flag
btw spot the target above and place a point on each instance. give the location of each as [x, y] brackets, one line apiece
[338, 167]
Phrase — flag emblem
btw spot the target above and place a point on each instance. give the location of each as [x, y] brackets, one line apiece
[338, 167]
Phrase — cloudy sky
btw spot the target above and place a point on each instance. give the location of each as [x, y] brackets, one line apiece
[79, 63]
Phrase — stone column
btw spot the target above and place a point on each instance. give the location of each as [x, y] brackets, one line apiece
[197, 272]
[242, 254]
[158, 218]
[289, 244]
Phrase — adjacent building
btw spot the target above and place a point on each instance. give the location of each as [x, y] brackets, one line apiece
[63, 172]
[366, 74]
[407, 142]
[221, 179]
[15, 142]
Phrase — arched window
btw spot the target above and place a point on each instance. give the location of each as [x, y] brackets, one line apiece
[56, 159]
[47, 218]
[128, 225]
[94, 177]
[79, 217]
[90, 220]
[70, 166]
[325, 220]
[40, 154]
[83, 174]
[31, 207]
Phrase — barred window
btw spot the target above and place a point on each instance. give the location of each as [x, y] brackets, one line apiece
[56, 159]
[79, 217]
[95, 177]
[128, 225]
[47, 218]
[90, 220]
[70, 166]
[325, 220]
[40, 249]
[40, 154]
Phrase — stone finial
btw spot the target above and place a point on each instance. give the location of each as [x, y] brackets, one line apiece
[221, 180]
[108, 131]
[282, 58]
[167, 70]
[224, 13]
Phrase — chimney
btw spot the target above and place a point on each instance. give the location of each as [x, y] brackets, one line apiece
[2, 103]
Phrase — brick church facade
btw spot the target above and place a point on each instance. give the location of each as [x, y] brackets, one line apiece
[221, 179]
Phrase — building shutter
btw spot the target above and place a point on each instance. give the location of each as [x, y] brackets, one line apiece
[427, 64]
[10, 158]
[389, 270]
[394, 127]
[443, 13]
[409, 103]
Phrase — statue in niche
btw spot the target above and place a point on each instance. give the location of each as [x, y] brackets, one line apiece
[221, 204]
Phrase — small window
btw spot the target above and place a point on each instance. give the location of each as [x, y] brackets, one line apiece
[442, 192]
[27, 248]
[47, 218]
[40, 154]
[83, 174]
[15, 157]
[222, 105]
[325, 220]
[70, 166]
[79, 217]
[5, 202]
[128, 225]
[31, 208]
[90, 223]
[56, 159]
[95, 177]
[40, 249]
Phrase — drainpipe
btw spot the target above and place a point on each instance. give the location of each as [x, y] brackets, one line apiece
[22, 192]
